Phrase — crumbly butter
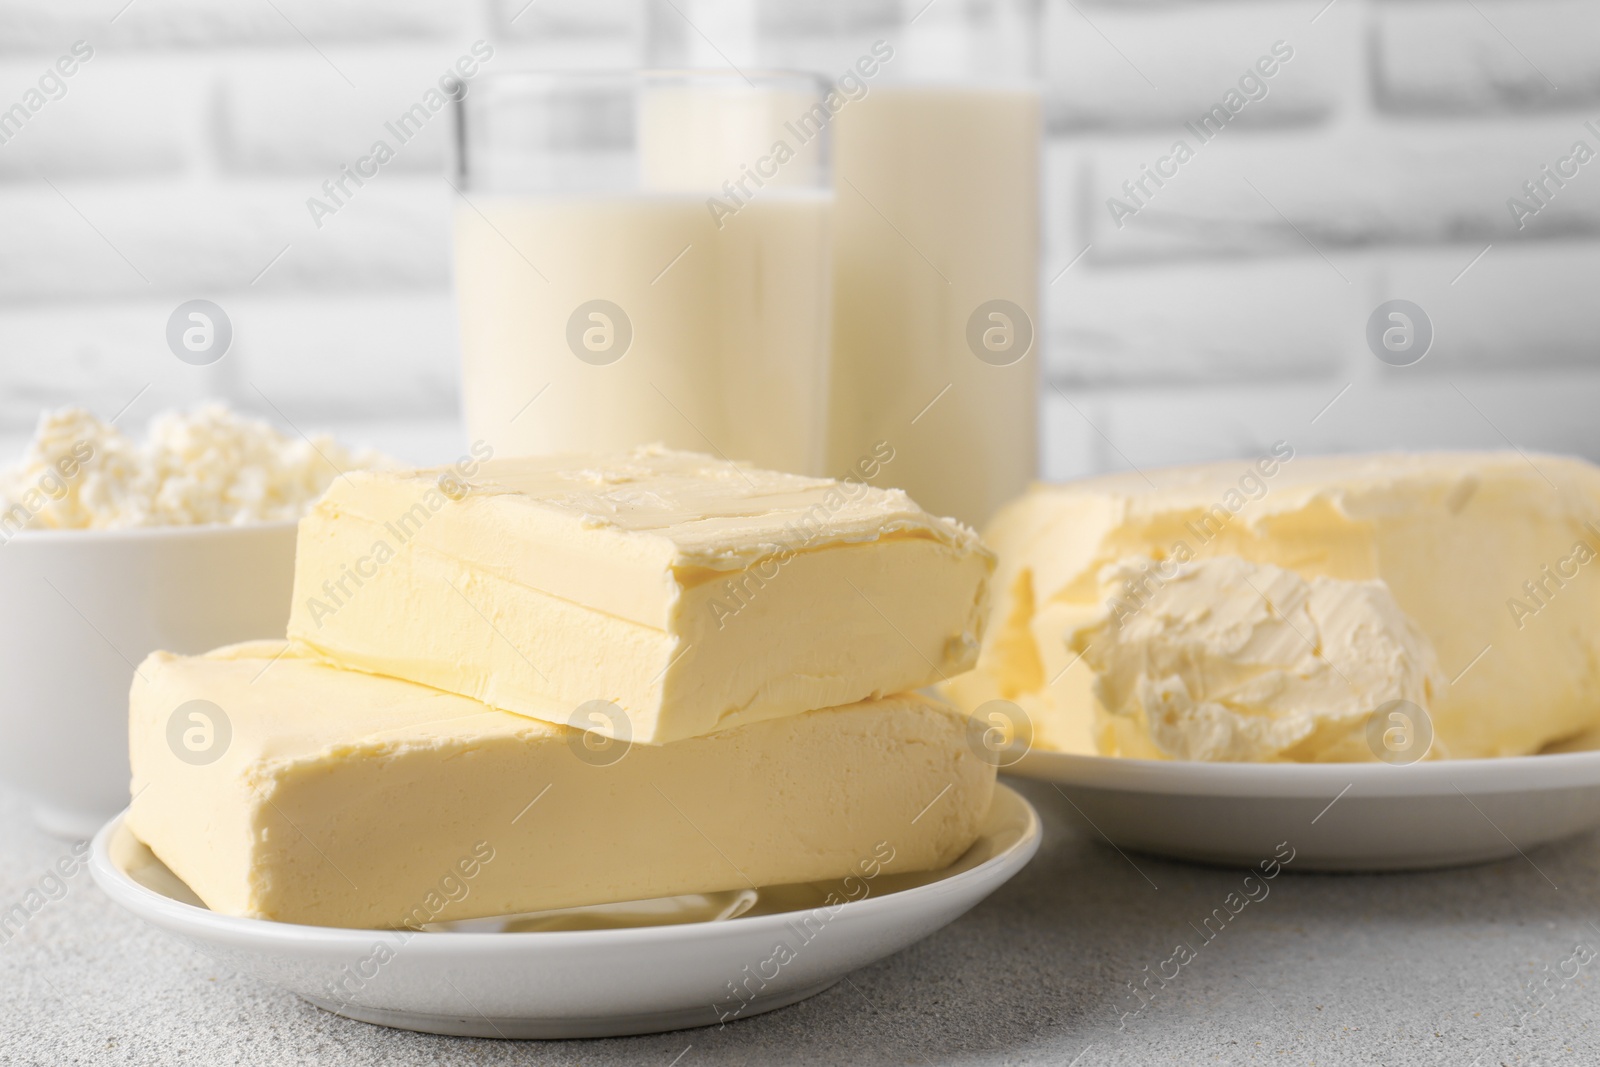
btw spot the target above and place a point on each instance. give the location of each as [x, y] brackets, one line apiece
[1487, 552]
[345, 799]
[1224, 659]
[694, 594]
[204, 466]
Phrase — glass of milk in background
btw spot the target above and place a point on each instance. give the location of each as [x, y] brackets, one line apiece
[936, 344]
[644, 256]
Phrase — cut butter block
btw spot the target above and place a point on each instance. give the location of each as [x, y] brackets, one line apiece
[1491, 555]
[692, 593]
[345, 799]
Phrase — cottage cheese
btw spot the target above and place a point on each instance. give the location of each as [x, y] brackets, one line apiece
[209, 465]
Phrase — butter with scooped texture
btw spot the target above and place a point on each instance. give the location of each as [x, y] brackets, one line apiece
[1491, 554]
[693, 593]
[1232, 660]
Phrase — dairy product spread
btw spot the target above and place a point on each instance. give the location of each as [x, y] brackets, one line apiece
[1487, 553]
[692, 593]
[308, 794]
[1224, 659]
[205, 466]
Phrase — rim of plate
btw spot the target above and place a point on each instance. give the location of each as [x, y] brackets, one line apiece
[163, 911]
[1501, 774]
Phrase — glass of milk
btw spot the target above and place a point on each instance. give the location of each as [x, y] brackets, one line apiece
[645, 256]
[936, 343]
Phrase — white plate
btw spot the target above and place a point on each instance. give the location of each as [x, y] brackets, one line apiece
[1336, 816]
[679, 968]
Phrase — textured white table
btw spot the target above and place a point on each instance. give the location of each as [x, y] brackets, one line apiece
[1397, 969]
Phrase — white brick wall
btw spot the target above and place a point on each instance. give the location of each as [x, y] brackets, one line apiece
[1176, 61]
[1223, 315]
[1440, 57]
[1231, 309]
[40, 25]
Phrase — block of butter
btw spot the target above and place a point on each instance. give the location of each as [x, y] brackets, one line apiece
[1489, 554]
[692, 593]
[307, 794]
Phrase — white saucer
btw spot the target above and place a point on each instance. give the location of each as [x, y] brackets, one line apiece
[1336, 816]
[678, 968]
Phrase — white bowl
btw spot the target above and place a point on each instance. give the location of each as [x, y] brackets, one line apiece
[581, 982]
[1335, 816]
[82, 609]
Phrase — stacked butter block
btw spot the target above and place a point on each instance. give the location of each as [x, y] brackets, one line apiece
[584, 680]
